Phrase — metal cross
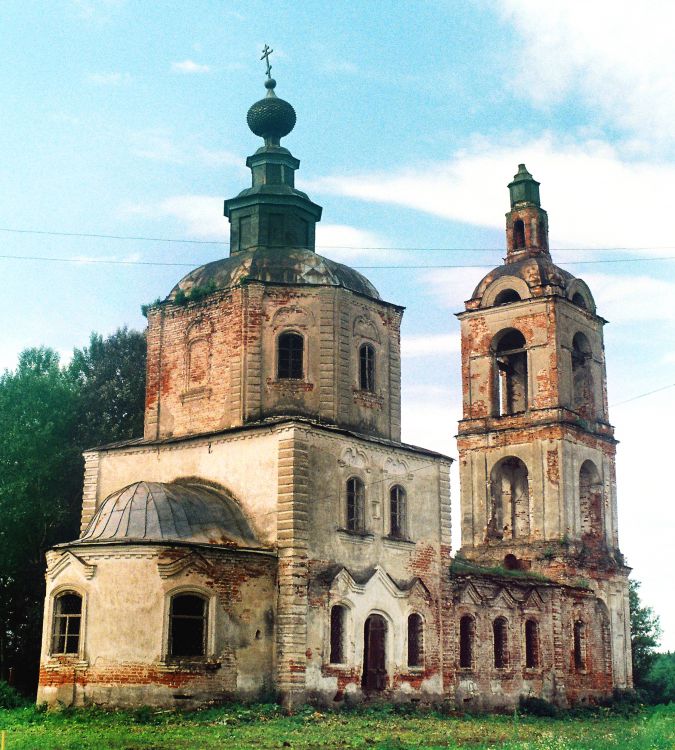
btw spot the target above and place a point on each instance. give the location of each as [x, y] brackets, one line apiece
[266, 57]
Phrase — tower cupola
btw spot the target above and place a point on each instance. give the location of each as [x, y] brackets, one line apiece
[526, 222]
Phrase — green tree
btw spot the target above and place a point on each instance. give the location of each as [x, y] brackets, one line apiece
[645, 632]
[110, 379]
[661, 678]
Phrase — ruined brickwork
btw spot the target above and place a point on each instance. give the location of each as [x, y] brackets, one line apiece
[270, 535]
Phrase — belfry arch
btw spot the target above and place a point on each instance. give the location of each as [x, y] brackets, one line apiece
[509, 512]
[590, 502]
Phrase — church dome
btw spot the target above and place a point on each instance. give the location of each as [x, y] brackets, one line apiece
[289, 266]
[537, 272]
[271, 117]
[178, 511]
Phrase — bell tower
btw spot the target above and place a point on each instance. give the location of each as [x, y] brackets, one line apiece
[537, 451]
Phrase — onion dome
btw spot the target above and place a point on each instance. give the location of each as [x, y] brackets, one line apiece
[271, 118]
[177, 511]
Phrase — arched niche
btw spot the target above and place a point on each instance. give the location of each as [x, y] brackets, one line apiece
[503, 285]
[510, 379]
[509, 512]
[583, 386]
[580, 295]
[591, 492]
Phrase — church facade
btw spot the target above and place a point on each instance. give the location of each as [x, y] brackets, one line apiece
[271, 536]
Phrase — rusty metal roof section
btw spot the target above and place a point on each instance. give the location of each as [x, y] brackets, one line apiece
[290, 266]
[177, 511]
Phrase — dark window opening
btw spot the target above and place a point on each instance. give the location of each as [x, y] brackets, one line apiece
[510, 374]
[338, 616]
[397, 511]
[511, 562]
[531, 644]
[67, 623]
[290, 355]
[579, 656]
[467, 628]
[187, 626]
[415, 641]
[541, 235]
[590, 501]
[356, 501]
[518, 234]
[374, 654]
[579, 300]
[499, 632]
[583, 397]
[367, 368]
[509, 502]
[276, 229]
[506, 296]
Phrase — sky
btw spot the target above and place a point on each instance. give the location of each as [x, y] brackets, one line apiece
[128, 119]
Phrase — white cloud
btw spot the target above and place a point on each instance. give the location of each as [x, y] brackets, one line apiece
[108, 79]
[202, 215]
[345, 243]
[156, 144]
[430, 345]
[632, 299]
[616, 56]
[594, 197]
[190, 66]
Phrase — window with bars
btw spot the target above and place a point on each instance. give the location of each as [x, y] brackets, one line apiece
[187, 625]
[290, 351]
[356, 502]
[531, 644]
[67, 623]
[397, 512]
[367, 368]
[415, 640]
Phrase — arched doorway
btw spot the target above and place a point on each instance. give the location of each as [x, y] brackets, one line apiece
[374, 653]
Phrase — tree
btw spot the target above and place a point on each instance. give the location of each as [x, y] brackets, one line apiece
[661, 679]
[645, 632]
[110, 379]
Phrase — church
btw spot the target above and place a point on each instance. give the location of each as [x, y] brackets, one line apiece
[271, 537]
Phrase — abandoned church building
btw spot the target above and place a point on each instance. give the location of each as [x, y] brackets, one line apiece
[270, 534]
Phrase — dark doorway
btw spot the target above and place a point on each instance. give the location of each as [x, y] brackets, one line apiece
[374, 654]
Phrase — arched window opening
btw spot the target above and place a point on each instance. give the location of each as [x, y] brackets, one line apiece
[187, 625]
[67, 623]
[500, 640]
[509, 500]
[289, 356]
[583, 401]
[467, 630]
[511, 562]
[367, 368]
[356, 502]
[518, 234]
[506, 296]
[542, 235]
[415, 641]
[397, 511]
[338, 623]
[511, 374]
[579, 300]
[531, 644]
[579, 646]
[590, 501]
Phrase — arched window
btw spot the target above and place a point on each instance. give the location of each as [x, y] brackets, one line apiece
[338, 627]
[187, 625]
[579, 646]
[356, 503]
[506, 296]
[590, 501]
[397, 511]
[583, 399]
[467, 630]
[289, 356]
[415, 641]
[579, 300]
[500, 640]
[510, 391]
[518, 234]
[367, 368]
[509, 500]
[531, 644]
[67, 623]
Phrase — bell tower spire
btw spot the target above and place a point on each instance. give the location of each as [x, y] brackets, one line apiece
[526, 222]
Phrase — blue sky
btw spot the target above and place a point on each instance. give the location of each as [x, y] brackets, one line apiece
[128, 118]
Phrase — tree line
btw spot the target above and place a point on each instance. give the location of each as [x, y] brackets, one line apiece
[49, 414]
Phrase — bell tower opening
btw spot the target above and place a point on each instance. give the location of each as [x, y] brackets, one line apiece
[583, 400]
[510, 373]
[509, 500]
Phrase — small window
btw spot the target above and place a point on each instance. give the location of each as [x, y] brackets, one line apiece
[367, 368]
[467, 629]
[518, 234]
[338, 621]
[290, 356]
[579, 646]
[531, 644]
[415, 641]
[506, 296]
[500, 634]
[397, 511]
[356, 501]
[67, 623]
[187, 625]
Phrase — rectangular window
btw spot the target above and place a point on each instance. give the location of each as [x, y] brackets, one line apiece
[67, 623]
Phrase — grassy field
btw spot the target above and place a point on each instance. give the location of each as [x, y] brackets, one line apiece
[262, 727]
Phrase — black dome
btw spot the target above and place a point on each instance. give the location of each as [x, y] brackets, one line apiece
[271, 117]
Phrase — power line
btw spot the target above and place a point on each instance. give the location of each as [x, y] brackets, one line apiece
[643, 395]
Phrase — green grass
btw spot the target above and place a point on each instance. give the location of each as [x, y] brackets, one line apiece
[265, 726]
